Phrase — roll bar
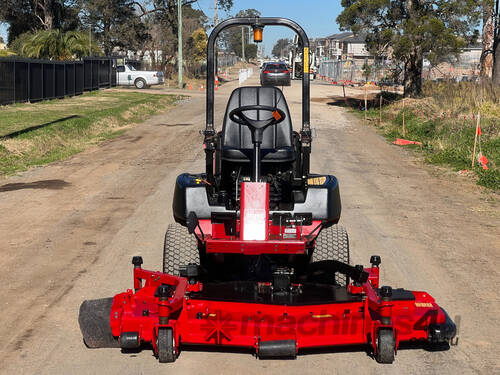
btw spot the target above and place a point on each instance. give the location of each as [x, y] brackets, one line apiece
[259, 22]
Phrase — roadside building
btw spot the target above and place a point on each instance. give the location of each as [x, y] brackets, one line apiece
[341, 46]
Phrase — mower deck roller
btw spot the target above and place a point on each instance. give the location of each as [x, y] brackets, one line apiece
[267, 266]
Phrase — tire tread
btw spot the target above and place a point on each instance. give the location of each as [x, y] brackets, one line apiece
[333, 244]
[166, 350]
[179, 249]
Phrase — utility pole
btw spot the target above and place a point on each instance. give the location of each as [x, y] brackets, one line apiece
[243, 45]
[216, 21]
[179, 42]
[90, 41]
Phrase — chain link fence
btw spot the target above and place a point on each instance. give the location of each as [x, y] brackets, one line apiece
[227, 59]
[358, 71]
[466, 68]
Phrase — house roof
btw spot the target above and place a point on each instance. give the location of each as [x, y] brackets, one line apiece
[348, 37]
[338, 36]
[360, 38]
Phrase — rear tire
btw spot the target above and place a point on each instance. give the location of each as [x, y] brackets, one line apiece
[140, 83]
[179, 249]
[333, 244]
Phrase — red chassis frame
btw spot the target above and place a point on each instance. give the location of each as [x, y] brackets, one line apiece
[255, 232]
[210, 322]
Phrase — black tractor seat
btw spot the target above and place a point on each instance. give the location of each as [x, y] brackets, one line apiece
[277, 144]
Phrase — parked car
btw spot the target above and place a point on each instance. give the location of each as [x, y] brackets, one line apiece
[127, 75]
[275, 74]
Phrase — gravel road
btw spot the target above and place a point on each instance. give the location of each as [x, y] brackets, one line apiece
[69, 230]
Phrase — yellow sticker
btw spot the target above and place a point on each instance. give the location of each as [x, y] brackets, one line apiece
[316, 180]
[306, 60]
[423, 304]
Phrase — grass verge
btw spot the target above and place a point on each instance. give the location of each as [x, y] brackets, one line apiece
[40, 133]
[444, 122]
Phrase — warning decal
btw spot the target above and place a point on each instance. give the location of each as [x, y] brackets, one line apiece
[306, 60]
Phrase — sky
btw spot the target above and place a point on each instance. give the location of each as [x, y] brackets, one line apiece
[3, 31]
[317, 17]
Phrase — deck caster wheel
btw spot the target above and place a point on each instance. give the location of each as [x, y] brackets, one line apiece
[166, 345]
[385, 346]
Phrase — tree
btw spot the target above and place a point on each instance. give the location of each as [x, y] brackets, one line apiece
[367, 70]
[56, 45]
[489, 8]
[115, 23]
[160, 18]
[17, 44]
[47, 9]
[231, 39]
[197, 45]
[413, 29]
[281, 48]
[486, 62]
[32, 15]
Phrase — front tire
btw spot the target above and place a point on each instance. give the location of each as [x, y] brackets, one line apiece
[140, 83]
[333, 244]
[179, 249]
[166, 345]
[385, 346]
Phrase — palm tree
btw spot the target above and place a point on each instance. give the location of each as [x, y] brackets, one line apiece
[56, 45]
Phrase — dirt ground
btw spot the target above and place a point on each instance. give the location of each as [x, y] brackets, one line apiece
[68, 232]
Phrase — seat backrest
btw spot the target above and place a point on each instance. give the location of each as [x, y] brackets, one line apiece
[238, 136]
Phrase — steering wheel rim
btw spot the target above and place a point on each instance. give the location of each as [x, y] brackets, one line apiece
[237, 115]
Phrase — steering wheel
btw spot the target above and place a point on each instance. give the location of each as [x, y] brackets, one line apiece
[257, 126]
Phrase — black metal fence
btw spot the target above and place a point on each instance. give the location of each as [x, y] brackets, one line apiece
[23, 80]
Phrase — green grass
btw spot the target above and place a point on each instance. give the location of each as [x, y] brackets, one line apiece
[40, 133]
[448, 141]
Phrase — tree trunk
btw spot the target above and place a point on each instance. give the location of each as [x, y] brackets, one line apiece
[487, 41]
[496, 64]
[413, 74]
[414, 65]
[48, 14]
[496, 51]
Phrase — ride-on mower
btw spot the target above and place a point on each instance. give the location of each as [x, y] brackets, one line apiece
[256, 258]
